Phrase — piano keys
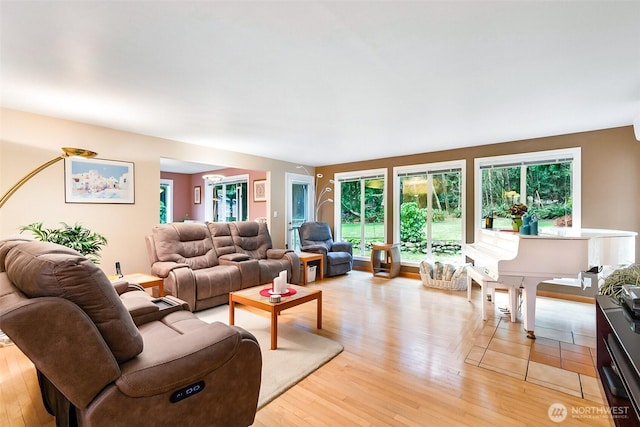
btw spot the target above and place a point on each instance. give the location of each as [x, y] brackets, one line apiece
[518, 261]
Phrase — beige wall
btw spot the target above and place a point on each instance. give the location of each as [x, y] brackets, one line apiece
[610, 179]
[610, 175]
[28, 140]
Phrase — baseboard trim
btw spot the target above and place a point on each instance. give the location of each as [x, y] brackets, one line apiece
[407, 274]
[569, 297]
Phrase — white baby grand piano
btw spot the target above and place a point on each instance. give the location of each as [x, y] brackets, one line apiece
[504, 259]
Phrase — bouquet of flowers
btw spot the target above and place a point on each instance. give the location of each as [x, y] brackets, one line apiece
[518, 209]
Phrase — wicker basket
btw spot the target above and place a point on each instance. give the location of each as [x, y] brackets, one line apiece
[458, 281]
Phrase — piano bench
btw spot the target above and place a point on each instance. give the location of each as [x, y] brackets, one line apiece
[488, 285]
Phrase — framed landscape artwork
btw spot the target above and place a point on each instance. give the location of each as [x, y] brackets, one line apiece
[98, 181]
[260, 190]
[197, 194]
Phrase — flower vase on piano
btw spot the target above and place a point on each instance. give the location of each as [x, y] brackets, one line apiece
[516, 211]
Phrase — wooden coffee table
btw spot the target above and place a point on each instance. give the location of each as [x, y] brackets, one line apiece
[252, 298]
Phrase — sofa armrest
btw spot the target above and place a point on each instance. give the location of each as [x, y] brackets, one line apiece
[122, 287]
[144, 308]
[138, 304]
[36, 325]
[163, 268]
[274, 253]
[342, 247]
[182, 360]
[316, 249]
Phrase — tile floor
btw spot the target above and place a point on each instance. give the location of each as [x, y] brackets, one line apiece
[563, 357]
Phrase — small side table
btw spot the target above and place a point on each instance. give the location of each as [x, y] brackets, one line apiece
[305, 258]
[146, 281]
[385, 259]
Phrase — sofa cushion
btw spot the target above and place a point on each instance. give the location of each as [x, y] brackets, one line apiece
[219, 280]
[186, 243]
[221, 237]
[339, 257]
[251, 238]
[41, 269]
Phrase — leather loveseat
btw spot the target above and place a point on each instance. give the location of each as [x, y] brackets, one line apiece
[202, 262]
[99, 364]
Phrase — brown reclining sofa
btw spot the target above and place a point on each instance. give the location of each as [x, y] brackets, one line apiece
[202, 262]
[110, 356]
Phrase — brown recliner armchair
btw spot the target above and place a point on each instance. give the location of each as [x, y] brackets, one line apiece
[316, 237]
[97, 368]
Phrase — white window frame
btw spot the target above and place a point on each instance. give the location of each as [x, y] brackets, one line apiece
[168, 198]
[426, 168]
[208, 193]
[575, 154]
[337, 208]
[291, 179]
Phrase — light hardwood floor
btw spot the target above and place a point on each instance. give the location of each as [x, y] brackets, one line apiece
[403, 364]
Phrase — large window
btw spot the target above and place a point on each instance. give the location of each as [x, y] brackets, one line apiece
[547, 182]
[430, 202]
[226, 200]
[360, 215]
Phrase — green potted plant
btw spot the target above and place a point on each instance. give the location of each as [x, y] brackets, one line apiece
[76, 237]
[516, 211]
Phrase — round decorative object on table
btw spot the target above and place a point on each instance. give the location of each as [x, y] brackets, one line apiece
[267, 292]
[275, 298]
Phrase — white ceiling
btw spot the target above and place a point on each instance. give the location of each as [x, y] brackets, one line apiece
[326, 82]
[181, 166]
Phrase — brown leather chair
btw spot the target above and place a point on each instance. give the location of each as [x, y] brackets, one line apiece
[316, 237]
[96, 367]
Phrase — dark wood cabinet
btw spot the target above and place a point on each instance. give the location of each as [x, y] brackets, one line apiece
[618, 360]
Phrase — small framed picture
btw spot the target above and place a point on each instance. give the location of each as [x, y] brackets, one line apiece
[260, 190]
[98, 181]
[197, 195]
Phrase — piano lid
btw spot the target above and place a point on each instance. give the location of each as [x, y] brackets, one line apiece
[606, 247]
[599, 247]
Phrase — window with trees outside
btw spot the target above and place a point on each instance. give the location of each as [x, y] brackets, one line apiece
[430, 200]
[166, 201]
[360, 215]
[226, 198]
[546, 182]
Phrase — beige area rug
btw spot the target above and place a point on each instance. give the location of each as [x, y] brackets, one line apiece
[299, 353]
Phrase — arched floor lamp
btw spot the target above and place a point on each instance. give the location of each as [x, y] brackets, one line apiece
[67, 152]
